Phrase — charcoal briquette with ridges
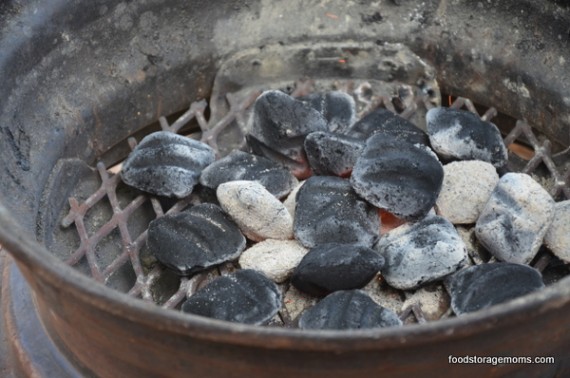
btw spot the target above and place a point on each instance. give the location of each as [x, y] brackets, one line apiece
[166, 164]
[239, 165]
[390, 125]
[279, 125]
[403, 178]
[338, 108]
[195, 239]
[462, 135]
[348, 309]
[329, 211]
[333, 266]
[332, 154]
[481, 286]
[245, 296]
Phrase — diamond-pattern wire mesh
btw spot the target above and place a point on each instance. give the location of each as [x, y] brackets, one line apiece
[131, 249]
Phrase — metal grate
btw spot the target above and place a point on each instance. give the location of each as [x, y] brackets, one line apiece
[131, 249]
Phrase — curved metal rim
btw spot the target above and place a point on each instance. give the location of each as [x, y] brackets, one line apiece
[31, 253]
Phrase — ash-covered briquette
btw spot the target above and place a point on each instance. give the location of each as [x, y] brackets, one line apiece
[332, 267]
[258, 214]
[245, 296]
[239, 165]
[403, 178]
[388, 124]
[332, 154]
[350, 309]
[421, 252]
[557, 237]
[279, 125]
[462, 135]
[195, 239]
[515, 219]
[166, 164]
[329, 211]
[338, 108]
[481, 286]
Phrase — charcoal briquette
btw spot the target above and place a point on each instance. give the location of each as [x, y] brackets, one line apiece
[195, 239]
[338, 108]
[481, 286]
[462, 135]
[332, 267]
[245, 296]
[279, 125]
[332, 154]
[403, 178]
[348, 309]
[329, 211]
[166, 164]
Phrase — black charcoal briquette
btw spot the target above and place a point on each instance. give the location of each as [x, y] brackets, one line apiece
[166, 164]
[481, 286]
[329, 211]
[332, 267]
[350, 309]
[239, 165]
[279, 125]
[403, 178]
[195, 239]
[462, 135]
[332, 154]
[245, 296]
[338, 108]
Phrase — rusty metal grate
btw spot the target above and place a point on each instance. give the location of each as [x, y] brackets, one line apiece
[131, 249]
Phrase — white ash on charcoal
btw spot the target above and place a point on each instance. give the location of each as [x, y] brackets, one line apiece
[332, 154]
[348, 309]
[245, 296]
[257, 212]
[195, 239]
[557, 237]
[431, 301]
[384, 294]
[291, 200]
[295, 302]
[338, 108]
[329, 211]
[239, 165]
[166, 164]
[462, 135]
[466, 188]
[389, 125]
[279, 125]
[481, 286]
[333, 266]
[421, 252]
[403, 178]
[275, 258]
[515, 219]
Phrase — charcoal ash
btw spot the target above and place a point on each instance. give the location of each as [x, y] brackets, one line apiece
[166, 164]
[391, 126]
[295, 302]
[515, 219]
[481, 286]
[338, 108]
[239, 165]
[332, 154]
[421, 252]
[194, 240]
[257, 212]
[462, 135]
[466, 188]
[431, 301]
[557, 237]
[348, 309]
[329, 211]
[333, 267]
[279, 125]
[275, 258]
[291, 200]
[403, 178]
[245, 296]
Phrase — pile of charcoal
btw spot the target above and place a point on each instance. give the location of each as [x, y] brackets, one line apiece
[380, 199]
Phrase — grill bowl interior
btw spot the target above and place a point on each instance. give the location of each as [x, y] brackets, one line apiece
[78, 78]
